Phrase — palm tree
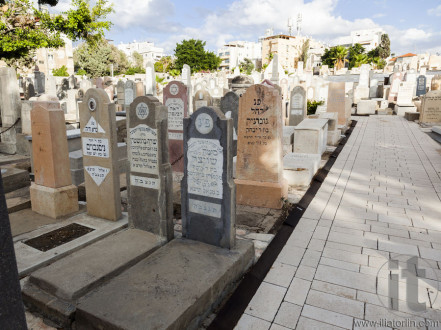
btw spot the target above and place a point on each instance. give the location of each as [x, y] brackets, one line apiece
[360, 59]
[378, 63]
[339, 57]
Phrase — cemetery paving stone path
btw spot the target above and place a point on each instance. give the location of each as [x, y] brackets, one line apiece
[381, 199]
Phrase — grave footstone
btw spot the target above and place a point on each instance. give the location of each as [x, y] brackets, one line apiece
[297, 111]
[259, 148]
[150, 79]
[52, 193]
[12, 315]
[150, 190]
[175, 98]
[99, 140]
[207, 189]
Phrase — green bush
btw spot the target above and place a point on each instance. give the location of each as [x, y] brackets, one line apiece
[81, 72]
[312, 106]
[131, 71]
[60, 72]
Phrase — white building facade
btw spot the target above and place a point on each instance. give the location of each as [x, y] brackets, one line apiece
[369, 38]
[147, 49]
[233, 53]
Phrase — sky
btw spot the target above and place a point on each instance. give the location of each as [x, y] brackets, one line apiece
[413, 25]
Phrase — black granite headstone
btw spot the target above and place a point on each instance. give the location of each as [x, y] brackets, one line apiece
[11, 305]
[208, 191]
[421, 85]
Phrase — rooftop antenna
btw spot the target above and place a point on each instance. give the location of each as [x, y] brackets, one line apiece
[299, 24]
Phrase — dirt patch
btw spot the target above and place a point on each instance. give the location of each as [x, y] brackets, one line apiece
[58, 237]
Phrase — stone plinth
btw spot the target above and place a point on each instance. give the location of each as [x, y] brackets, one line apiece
[54, 202]
[311, 136]
[366, 107]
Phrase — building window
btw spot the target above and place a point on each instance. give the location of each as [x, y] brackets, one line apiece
[227, 53]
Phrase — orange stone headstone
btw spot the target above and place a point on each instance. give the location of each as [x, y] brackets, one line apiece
[259, 148]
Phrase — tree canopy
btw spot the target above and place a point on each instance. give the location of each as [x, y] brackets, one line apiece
[246, 66]
[24, 28]
[193, 53]
[95, 60]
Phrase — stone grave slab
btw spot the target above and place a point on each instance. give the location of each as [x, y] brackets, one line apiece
[66, 280]
[176, 287]
[299, 169]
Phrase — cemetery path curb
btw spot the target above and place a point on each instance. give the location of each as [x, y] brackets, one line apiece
[231, 312]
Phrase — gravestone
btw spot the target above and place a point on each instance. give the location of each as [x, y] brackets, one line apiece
[208, 192]
[405, 92]
[129, 94]
[202, 98]
[229, 106]
[297, 110]
[73, 82]
[395, 81]
[431, 107]
[99, 140]
[364, 76]
[10, 108]
[150, 79]
[99, 83]
[175, 99]
[421, 85]
[39, 80]
[120, 95]
[275, 69]
[52, 193]
[259, 148]
[29, 89]
[150, 189]
[12, 315]
[436, 83]
[337, 102]
[51, 86]
[186, 79]
[140, 90]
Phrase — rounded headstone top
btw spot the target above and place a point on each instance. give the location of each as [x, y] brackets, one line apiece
[243, 80]
[47, 98]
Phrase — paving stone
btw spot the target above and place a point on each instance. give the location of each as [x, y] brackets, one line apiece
[248, 322]
[334, 289]
[305, 272]
[297, 292]
[345, 256]
[266, 301]
[335, 303]
[327, 316]
[288, 315]
[346, 278]
[310, 324]
[280, 274]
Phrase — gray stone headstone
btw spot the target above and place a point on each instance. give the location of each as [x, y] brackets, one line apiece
[39, 82]
[51, 86]
[129, 94]
[421, 85]
[208, 191]
[151, 182]
[12, 314]
[297, 109]
[29, 89]
[72, 82]
[10, 108]
[229, 106]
